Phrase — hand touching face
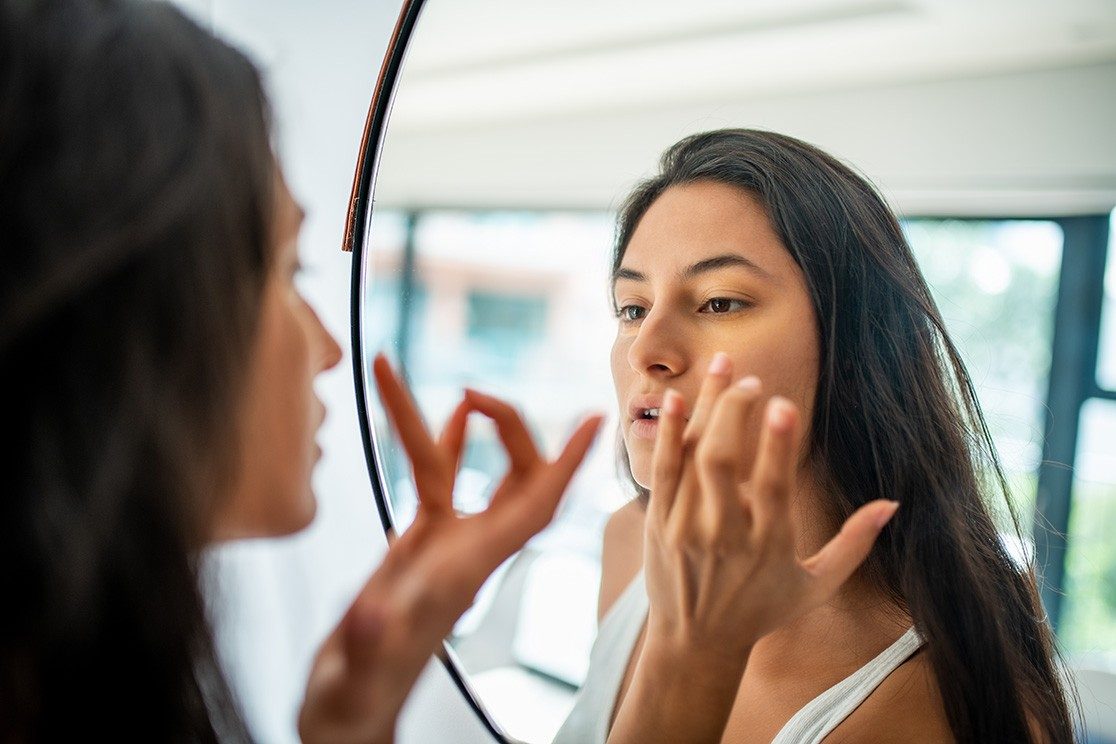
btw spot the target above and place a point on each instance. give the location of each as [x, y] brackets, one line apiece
[705, 272]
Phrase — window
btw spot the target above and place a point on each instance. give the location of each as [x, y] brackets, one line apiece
[516, 302]
[503, 326]
[1088, 620]
[1088, 627]
[996, 283]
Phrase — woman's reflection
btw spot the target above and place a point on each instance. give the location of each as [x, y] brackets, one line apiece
[789, 264]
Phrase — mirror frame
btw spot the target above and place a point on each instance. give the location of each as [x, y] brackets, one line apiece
[355, 241]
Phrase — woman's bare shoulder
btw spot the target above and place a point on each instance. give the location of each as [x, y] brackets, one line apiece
[907, 706]
[622, 553]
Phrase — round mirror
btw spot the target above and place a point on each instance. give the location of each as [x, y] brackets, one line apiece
[516, 129]
[462, 289]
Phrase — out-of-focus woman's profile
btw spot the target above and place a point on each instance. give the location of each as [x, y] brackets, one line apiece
[159, 363]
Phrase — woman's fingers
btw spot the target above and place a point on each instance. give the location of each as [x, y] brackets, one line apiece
[716, 380]
[509, 425]
[452, 440]
[831, 566]
[667, 458]
[721, 457]
[517, 518]
[418, 444]
[774, 469]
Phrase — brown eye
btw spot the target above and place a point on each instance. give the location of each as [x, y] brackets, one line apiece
[721, 305]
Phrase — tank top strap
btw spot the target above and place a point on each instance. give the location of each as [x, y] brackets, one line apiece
[824, 713]
[589, 720]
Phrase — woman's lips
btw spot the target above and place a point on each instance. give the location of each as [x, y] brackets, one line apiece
[642, 428]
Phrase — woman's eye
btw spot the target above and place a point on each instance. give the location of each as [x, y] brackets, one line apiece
[631, 312]
[723, 305]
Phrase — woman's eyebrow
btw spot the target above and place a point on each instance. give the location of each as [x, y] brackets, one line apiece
[725, 260]
[630, 274]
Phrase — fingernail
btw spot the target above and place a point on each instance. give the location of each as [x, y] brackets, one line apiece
[779, 414]
[672, 402]
[720, 364]
[749, 384]
[884, 515]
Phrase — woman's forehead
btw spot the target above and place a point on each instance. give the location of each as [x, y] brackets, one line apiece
[701, 222]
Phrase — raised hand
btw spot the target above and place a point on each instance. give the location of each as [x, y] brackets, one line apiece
[432, 572]
[719, 556]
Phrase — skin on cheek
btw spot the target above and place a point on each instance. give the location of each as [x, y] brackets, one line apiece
[279, 413]
[773, 336]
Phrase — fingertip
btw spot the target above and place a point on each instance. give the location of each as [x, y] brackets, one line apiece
[884, 513]
[673, 404]
[750, 385]
[721, 364]
[590, 427]
[781, 414]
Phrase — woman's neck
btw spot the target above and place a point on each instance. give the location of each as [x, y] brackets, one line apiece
[852, 628]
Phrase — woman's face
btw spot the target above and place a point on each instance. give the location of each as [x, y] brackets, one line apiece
[280, 413]
[705, 272]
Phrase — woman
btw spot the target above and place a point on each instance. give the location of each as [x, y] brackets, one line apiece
[762, 247]
[158, 364]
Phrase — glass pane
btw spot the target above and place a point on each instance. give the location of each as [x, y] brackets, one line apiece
[1088, 628]
[1106, 354]
[996, 284]
[512, 303]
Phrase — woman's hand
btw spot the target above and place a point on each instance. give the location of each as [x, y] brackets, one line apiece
[719, 557]
[432, 572]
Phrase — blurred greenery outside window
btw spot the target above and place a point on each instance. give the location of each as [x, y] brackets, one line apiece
[996, 284]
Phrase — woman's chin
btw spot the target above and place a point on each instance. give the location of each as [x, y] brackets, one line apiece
[641, 474]
[303, 517]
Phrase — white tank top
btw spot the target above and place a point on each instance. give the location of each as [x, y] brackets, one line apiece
[588, 722]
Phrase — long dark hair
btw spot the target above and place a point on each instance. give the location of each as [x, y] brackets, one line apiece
[137, 179]
[896, 417]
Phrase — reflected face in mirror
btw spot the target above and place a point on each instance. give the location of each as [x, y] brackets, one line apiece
[706, 272]
[280, 413]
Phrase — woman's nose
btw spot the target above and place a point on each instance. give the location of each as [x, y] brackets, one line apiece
[659, 348]
[329, 353]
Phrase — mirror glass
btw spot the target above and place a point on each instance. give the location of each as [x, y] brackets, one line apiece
[517, 128]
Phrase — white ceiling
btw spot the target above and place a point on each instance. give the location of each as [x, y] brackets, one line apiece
[951, 105]
[493, 60]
